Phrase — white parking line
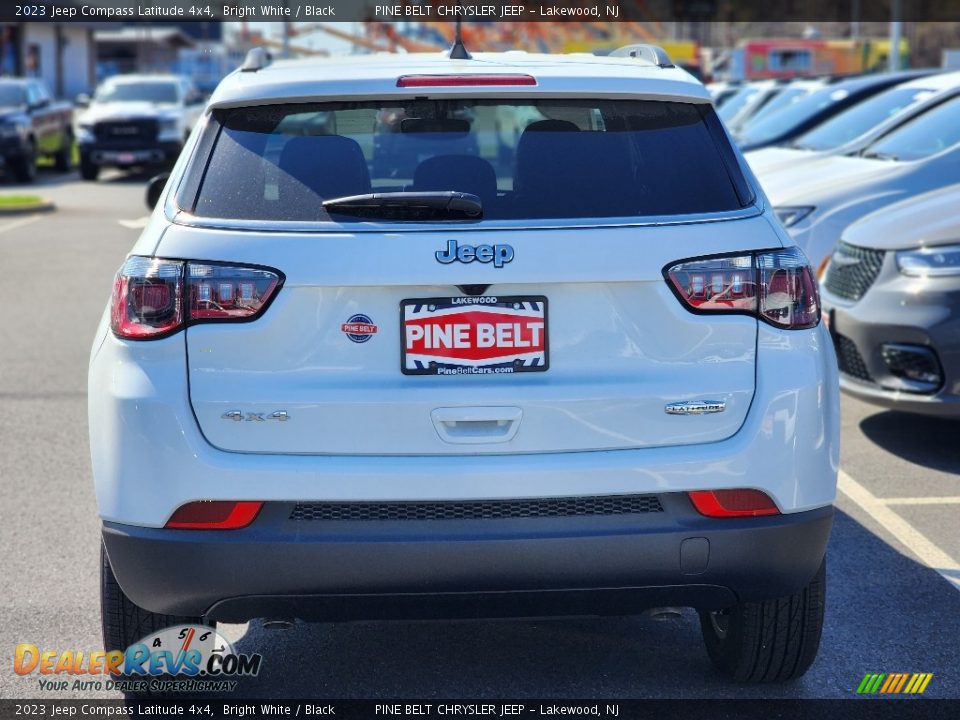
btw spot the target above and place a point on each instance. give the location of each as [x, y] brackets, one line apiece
[137, 224]
[904, 532]
[14, 224]
[942, 500]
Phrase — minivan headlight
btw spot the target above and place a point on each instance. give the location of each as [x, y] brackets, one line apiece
[930, 261]
[790, 216]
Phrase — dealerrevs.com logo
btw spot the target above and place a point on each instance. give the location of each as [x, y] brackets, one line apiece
[184, 658]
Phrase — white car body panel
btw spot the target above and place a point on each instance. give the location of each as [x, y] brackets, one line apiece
[826, 176]
[614, 367]
[768, 160]
[926, 220]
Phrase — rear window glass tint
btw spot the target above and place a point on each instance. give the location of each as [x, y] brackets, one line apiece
[548, 159]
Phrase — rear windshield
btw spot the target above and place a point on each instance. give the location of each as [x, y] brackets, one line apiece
[523, 160]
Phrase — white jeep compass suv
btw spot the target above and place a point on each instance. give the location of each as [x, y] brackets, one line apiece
[373, 358]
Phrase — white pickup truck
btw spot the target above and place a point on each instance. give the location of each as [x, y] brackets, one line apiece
[136, 121]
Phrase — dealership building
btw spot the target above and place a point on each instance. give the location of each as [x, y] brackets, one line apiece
[62, 54]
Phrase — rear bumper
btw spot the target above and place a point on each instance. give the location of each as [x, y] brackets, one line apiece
[575, 565]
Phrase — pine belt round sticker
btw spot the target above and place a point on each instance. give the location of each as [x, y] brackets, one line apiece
[359, 328]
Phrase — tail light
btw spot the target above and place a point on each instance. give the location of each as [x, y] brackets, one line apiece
[733, 503]
[776, 286]
[214, 515]
[228, 292]
[501, 80]
[153, 297]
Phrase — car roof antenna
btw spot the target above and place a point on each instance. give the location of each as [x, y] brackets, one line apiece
[458, 50]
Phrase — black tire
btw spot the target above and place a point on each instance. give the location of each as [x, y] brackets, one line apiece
[768, 641]
[63, 161]
[88, 169]
[25, 166]
[124, 622]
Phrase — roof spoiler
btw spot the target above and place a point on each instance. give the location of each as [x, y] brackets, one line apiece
[651, 53]
[257, 59]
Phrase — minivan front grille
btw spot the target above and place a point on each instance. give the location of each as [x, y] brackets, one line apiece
[849, 359]
[852, 270]
[479, 509]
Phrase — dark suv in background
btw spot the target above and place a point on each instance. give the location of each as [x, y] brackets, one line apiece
[32, 125]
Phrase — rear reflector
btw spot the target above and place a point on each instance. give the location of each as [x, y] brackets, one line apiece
[407, 81]
[214, 515]
[822, 269]
[733, 503]
[147, 300]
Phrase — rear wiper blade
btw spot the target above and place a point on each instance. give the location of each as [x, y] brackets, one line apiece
[423, 206]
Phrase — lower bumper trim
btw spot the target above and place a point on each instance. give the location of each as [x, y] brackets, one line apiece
[581, 602]
[578, 565]
[941, 404]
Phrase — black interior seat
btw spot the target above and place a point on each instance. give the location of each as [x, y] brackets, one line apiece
[463, 173]
[562, 171]
[319, 167]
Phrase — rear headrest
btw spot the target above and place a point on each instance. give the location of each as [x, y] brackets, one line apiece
[528, 138]
[328, 166]
[551, 126]
[575, 174]
[465, 173]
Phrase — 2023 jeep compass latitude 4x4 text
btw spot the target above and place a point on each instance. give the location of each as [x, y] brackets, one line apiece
[375, 358]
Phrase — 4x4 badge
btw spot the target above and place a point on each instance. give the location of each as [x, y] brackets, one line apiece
[238, 416]
[498, 254]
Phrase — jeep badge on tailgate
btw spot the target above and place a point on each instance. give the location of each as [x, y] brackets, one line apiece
[499, 255]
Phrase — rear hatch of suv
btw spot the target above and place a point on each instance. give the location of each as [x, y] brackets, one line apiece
[467, 276]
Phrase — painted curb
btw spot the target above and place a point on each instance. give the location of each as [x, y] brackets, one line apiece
[40, 207]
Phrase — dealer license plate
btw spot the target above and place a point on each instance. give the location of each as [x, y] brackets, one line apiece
[484, 335]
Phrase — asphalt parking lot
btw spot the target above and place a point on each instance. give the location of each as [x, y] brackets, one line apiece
[888, 609]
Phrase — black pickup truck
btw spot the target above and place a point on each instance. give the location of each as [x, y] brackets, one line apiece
[32, 125]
